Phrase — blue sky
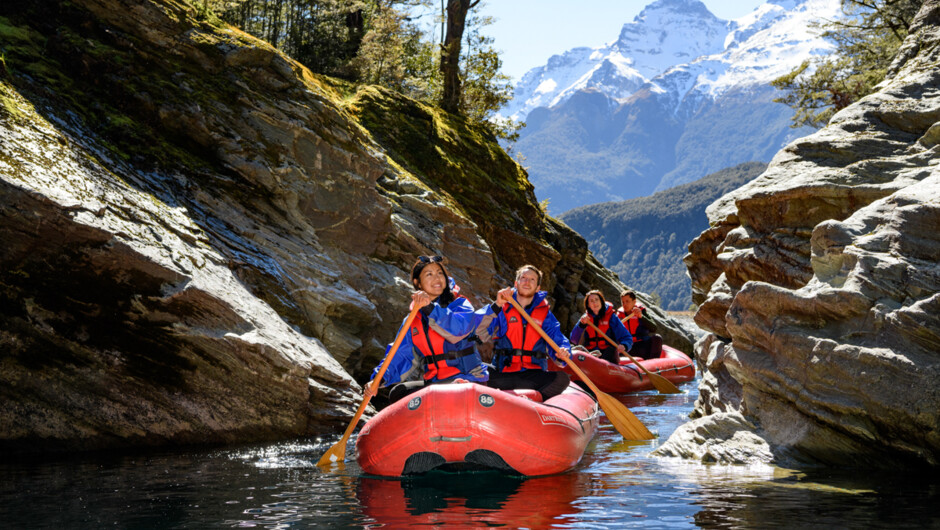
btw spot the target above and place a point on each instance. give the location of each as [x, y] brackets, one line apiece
[528, 32]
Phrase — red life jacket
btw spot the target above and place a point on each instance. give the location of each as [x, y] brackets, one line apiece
[631, 324]
[521, 338]
[594, 340]
[431, 345]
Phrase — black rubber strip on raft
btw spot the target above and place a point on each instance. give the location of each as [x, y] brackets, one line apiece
[486, 458]
[422, 462]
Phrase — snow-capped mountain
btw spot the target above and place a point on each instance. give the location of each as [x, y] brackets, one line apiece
[765, 44]
[645, 48]
[677, 45]
[684, 92]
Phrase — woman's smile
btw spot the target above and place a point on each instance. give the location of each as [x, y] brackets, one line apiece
[433, 280]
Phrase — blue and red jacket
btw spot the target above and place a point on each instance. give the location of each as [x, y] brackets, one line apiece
[438, 347]
[518, 347]
[607, 322]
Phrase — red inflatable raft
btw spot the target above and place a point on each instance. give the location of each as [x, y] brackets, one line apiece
[628, 377]
[466, 425]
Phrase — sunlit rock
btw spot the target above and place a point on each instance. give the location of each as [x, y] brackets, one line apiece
[721, 438]
[824, 275]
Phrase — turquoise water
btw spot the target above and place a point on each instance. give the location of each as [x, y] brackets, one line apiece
[617, 485]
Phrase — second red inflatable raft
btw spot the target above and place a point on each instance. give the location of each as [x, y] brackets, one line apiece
[627, 377]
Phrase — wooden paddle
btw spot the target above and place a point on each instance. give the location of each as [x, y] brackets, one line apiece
[662, 384]
[337, 453]
[626, 423]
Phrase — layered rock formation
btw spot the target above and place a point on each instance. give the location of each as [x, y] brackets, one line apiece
[820, 285]
[200, 240]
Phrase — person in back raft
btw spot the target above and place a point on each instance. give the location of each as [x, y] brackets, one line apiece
[647, 344]
[520, 355]
[439, 346]
[602, 314]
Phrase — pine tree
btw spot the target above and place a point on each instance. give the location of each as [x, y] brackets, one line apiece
[866, 41]
[381, 42]
[485, 88]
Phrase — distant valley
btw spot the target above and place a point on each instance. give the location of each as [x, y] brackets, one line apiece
[644, 239]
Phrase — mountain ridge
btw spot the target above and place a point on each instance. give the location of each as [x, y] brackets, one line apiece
[711, 109]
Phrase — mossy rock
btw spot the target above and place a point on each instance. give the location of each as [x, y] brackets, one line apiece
[451, 155]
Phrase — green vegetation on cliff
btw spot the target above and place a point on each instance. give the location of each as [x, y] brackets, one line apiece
[55, 51]
[452, 153]
[866, 41]
[643, 240]
[382, 42]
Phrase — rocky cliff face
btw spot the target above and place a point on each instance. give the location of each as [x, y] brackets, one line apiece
[820, 284]
[201, 241]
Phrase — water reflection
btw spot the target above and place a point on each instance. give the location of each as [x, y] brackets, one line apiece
[484, 499]
[766, 497]
[617, 485]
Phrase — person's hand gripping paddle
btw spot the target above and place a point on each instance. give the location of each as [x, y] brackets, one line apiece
[626, 423]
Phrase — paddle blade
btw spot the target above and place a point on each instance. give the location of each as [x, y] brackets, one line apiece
[335, 454]
[664, 385]
[626, 423]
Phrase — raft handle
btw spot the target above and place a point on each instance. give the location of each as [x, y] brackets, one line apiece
[451, 438]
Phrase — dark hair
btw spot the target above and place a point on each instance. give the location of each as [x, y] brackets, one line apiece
[629, 293]
[599, 295]
[532, 268]
[423, 261]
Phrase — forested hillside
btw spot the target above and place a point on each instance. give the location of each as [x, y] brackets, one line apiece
[644, 239]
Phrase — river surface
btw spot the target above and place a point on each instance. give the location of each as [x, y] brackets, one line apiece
[617, 485]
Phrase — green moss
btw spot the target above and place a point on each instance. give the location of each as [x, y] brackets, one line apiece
[344, 91]
[121, 121]
[453, 156]
[206, 41]
[104, 85]
[11, 34]
[8, 104]
[205, 15]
